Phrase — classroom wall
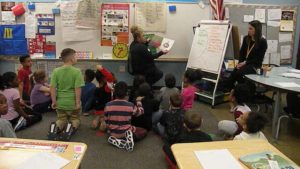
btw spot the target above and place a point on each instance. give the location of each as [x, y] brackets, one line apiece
[176, 68]
[284, 2]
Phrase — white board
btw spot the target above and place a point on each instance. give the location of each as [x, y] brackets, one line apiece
[208, 47]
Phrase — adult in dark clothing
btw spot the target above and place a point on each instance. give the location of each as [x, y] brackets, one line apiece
[141, 60]
[252, 53]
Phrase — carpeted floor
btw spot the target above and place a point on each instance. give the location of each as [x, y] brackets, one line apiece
[147, 153]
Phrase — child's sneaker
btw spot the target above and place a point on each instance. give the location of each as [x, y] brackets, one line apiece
[53, 132]
[20, 124]
[120, 143]
[129, 140]
[67, 133]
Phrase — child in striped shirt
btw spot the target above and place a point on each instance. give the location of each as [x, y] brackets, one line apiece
[118, 114]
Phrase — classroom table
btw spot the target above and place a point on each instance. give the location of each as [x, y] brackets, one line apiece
[270, 81]
[18, 155]
[186, 158]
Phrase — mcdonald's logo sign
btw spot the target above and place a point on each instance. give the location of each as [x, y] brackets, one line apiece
[8, 33]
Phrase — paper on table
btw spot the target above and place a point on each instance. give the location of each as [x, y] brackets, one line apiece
[272, 46]
[294, 71]
[275, 59]
[248, 18]
[287, 84]
[233, 1]
[273, 23]
[260, 14]
[166, 44]
[217, 159]
[8, 16]
[44, 161]
[274, 14]
[285, 37]
[285, 52]
[292, 75]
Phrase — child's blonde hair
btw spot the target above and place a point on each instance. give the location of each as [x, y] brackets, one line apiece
[39, 76]
[192, 120]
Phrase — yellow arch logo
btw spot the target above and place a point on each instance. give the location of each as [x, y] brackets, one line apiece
[8, 33]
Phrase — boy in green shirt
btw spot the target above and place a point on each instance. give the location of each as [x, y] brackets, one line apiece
[66, 83]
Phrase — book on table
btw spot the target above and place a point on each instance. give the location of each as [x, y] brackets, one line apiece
[267, 160]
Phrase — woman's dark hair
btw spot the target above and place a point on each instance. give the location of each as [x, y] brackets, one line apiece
[258, 30]
[170, 80]
[255, 122]
[7, 78]
[120, 90]
[241, 93]
[193, 75]
[144, 90]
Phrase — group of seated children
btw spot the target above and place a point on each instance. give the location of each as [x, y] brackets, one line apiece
[125, 118]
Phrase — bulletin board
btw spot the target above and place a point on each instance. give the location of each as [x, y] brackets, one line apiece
[237, 11]
[179, 28]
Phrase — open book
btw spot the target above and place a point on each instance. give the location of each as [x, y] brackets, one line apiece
[158, 42]
[267, 160]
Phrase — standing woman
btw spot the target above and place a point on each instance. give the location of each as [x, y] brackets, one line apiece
[251, 54]
[141, 59]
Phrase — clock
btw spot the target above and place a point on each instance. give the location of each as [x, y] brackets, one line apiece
[120, 51]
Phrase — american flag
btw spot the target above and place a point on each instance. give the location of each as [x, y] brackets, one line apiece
[218, 10]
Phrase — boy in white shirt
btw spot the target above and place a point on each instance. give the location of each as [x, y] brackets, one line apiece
[252, 124]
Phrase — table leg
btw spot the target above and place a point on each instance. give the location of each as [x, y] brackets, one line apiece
[276, 112]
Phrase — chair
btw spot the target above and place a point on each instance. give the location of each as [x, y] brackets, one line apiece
[259, 97]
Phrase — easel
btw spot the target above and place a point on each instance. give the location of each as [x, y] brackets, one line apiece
[212, 76]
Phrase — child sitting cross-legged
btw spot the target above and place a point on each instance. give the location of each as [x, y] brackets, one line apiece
[171, 122]
[118, 114]
[252, 124]
[238, 98]
[40, 98]
[191, 133]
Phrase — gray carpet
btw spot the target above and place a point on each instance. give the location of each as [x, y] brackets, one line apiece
[147, 153]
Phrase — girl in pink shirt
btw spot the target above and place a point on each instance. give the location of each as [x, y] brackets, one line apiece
[188, 91]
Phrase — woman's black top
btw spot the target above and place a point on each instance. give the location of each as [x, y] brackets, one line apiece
[256, 55]
[141, 57]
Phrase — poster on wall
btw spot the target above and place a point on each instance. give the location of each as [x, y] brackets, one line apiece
[151, 16]
[6, 6]
[114, 24]
[87, 14]
[7, 14]
[50, 50]
[68, 24]
[46, 24]
[287, 20]
[30, 25]
[37, 44]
